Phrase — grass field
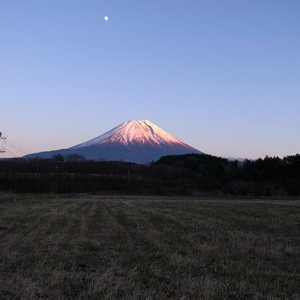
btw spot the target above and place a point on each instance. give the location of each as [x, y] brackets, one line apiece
[118, 247]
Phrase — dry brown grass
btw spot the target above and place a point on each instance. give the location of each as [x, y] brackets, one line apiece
[149, 248]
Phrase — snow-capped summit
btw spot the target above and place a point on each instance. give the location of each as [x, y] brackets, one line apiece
[133, 132]
[137, 141]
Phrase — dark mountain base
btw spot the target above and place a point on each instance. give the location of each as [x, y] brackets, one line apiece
[141, 154]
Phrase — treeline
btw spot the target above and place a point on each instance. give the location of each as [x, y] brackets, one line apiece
[190, 174]
[266, 177]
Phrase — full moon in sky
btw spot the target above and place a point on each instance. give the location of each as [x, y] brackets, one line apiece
[106, 18]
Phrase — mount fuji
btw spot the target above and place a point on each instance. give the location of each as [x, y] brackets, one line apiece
[138, 141]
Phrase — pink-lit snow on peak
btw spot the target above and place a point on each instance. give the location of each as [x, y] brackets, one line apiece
[133, 132]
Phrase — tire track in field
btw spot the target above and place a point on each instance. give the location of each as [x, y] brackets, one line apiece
[111, 279]
[85, 221]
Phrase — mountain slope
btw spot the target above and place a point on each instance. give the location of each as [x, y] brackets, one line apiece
[135, 141]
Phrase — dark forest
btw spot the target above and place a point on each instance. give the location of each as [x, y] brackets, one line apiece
[190, 174]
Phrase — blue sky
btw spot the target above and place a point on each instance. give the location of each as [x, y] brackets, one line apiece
[222, 76]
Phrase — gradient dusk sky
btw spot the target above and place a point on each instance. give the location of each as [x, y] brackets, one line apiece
[221, 75]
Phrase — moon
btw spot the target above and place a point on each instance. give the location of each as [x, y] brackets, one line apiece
[106, 18]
